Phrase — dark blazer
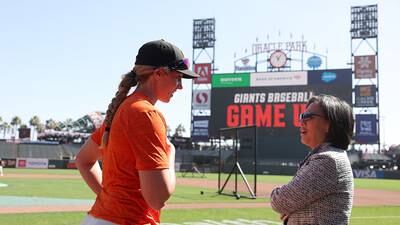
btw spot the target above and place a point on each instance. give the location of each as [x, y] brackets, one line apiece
[321, 192]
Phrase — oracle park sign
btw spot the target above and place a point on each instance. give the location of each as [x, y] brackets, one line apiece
[272, 101]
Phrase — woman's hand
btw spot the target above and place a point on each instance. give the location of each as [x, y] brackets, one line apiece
[86, 161]
[171, 148]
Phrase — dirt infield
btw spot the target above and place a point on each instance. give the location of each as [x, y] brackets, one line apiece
[362, 197]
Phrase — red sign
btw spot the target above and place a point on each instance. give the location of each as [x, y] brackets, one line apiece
[204, 70]
[262, 115]
[364, 66]
[201, 99]
[22, 163]
[71, 165]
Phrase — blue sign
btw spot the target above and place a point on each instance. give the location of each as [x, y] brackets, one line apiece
[314, 62]
[329, 77]
[368, 174]
[200, 128]
[366, 129]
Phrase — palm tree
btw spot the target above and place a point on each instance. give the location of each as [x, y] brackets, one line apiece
[40, 128]
[50, 124]
[37, 124]
[6, 127]
[34, 121]
[15, 122]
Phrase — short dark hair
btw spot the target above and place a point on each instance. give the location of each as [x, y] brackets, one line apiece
[340, 116]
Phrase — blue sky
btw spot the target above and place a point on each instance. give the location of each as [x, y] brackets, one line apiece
[63, 59]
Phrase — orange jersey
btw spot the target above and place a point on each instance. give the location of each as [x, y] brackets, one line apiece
[138, 141]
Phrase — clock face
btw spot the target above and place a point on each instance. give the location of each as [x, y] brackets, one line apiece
[278, 59]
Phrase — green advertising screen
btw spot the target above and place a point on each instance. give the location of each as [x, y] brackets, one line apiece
[230, 80]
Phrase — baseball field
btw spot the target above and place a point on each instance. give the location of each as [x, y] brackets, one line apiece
[60, 197]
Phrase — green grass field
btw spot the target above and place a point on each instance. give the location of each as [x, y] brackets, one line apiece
[70, 188]
[360, 216]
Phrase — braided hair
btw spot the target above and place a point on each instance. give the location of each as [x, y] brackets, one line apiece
[138, 74]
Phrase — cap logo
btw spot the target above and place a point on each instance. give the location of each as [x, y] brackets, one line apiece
[182, 64]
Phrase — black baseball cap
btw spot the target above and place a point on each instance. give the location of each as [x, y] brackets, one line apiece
[161, 53]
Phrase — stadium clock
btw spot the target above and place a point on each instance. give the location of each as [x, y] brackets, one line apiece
[278, 59]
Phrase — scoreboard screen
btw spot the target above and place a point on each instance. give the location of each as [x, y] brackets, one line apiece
[272, 101]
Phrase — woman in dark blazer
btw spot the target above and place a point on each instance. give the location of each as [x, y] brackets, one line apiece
[321, 192]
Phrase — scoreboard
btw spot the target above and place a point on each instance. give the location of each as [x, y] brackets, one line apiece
[272, 101]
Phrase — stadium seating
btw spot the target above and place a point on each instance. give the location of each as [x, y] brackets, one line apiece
[8, 150]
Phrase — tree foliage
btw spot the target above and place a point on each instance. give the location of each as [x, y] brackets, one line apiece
[179, 130]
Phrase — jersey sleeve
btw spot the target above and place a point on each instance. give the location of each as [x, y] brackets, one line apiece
[97, 135]
[149, 141]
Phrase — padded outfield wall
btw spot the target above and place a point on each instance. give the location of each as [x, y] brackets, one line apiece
[272, 101]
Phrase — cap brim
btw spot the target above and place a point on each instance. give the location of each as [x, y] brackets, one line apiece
[188, 74]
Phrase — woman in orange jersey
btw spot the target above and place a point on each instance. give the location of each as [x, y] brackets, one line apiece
[137, 175]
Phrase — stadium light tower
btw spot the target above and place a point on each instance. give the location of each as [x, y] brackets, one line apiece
[364, 56]
[203, 64]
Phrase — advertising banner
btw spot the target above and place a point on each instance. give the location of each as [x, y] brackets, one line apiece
[278, 79]
[245, 65]
[368, 173]
[366, 129]
[204, 70]
[365, 96]
[57, 164]
[21, 163]
[9, 163]
[200, 128]
[201, 99]
[71, 164]
[364, 66]
[227, 80]
[329, 78]
[32, 163]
